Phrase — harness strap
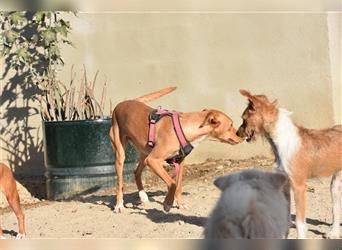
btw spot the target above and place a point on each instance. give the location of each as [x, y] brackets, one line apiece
[178, 129]
[185, 148]
[154, 118]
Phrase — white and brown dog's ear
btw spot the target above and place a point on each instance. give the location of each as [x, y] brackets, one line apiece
[275, 103]
[254, 101]
[245, 93]
[249, 96]
[210, 120]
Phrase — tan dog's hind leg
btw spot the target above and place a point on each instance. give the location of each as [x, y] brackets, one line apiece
[142, 194]
[119, 148]
[156, 164]
[335, 190]
[299, 191]
[14, 203]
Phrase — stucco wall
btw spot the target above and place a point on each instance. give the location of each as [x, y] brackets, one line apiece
[209, 57]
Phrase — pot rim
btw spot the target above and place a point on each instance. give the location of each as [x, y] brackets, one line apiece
[105, 118]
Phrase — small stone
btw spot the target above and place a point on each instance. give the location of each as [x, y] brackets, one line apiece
[180, 222]
[220, 167]
[129, 205]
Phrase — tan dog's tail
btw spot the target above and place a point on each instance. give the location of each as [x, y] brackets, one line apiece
[155, 95]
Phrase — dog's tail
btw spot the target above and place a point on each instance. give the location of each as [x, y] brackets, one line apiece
[155, 95]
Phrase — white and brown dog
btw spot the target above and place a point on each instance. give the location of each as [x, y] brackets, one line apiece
[302, 153]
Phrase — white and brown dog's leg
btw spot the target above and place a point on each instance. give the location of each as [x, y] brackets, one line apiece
[2, 237]
[138, 172]
[335, 190]
[299, 190]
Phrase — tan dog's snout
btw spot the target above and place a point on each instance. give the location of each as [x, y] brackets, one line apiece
[234, 138]
[228, 136]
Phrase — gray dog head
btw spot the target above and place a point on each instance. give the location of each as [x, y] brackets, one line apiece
[252, 205]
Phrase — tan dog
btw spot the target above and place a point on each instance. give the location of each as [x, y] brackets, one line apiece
[302, 153]
[9, 188]
[130, 123]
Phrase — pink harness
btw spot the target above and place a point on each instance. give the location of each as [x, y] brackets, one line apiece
[185, 145]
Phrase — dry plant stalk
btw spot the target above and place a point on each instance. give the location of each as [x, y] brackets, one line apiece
[59, 102]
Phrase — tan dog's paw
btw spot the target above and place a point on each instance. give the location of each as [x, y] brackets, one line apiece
[143, 196]
[167, 207]
[184, 206]
[170, 197]
[20, 236]
[119, 208]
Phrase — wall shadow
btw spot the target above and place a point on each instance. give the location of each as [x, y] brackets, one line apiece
[19, 139]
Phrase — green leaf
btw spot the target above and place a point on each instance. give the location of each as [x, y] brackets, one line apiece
[39, 15]
[23, 54]
[49, 37]
[35, 38]
[54, 50]
[17, 18]
[62, 30]
[11, 36]
[5, 51]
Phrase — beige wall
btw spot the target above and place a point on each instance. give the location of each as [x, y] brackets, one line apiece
[209, 57]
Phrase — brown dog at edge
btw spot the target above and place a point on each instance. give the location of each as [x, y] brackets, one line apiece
[302, 153]
[130, 122]
[9, 188]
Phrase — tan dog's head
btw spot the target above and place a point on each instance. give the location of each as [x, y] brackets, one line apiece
[259, 116]
[221, 127]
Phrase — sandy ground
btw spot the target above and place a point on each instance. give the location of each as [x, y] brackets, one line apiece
[92, 216]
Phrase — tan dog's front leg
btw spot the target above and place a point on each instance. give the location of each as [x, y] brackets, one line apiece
[179, 197]
[157, 166]
[299, 191]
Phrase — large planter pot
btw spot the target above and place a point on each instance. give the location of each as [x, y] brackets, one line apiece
[79, 158]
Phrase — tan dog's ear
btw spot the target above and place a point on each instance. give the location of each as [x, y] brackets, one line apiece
[210, 120]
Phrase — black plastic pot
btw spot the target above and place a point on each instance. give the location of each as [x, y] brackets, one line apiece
[79, 158]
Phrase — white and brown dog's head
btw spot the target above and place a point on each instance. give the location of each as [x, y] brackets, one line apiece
[259, 117]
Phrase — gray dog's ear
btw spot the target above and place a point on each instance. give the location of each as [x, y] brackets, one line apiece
[225, 181]
[279, 180]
